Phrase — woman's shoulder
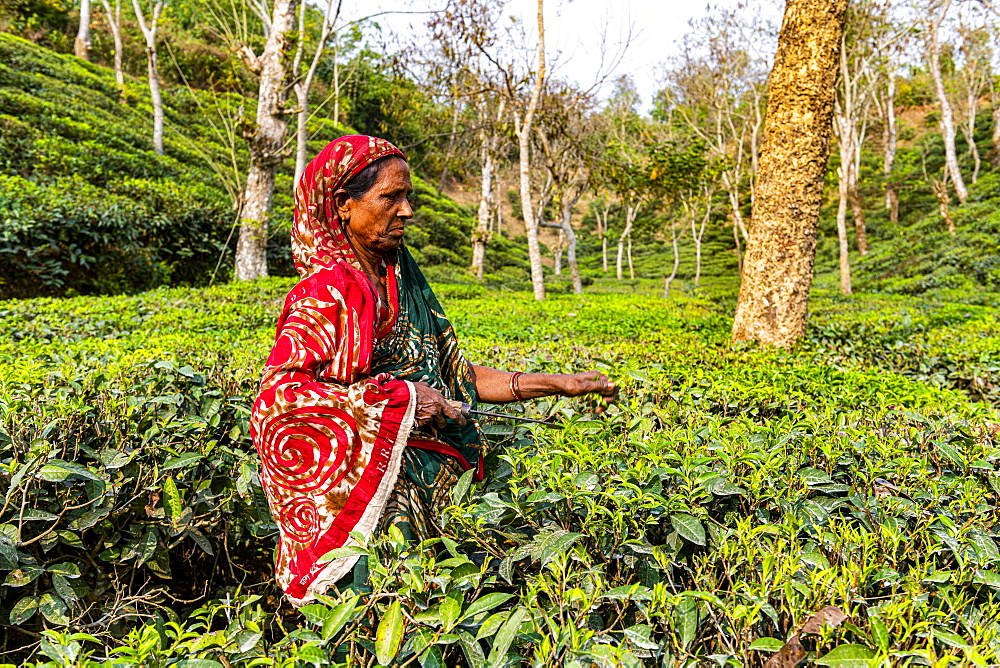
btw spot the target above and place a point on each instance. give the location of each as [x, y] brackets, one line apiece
[333, 285]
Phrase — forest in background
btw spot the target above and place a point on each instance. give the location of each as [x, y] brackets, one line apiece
[834, 502]
[613, 191]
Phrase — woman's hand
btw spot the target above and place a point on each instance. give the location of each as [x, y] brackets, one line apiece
[589, 382]
[433, 408]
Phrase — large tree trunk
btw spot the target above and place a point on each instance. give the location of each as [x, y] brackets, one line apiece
[947, 116]
[81, 45]
[152, 68]
[778, 268]
[115, 23]
[524, 168]
[266, 143]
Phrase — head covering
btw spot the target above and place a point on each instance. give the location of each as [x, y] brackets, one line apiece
[318, 239]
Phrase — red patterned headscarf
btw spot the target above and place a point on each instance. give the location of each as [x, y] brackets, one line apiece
[318, 239]
[330, 436]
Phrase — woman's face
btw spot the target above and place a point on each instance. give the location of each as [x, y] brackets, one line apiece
[375, 222]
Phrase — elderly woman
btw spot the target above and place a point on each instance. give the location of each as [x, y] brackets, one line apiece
[353, 423]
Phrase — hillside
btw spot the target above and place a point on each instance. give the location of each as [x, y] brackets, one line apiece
[87, 207]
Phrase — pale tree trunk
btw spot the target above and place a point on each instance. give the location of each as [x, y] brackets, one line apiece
[81, 45]
[733, 187]
[303, 86]
[153, 70]
[524, 147]
[889, 139]
[739, 251]
[996, 132]
[604, 238]
[844, 136]
[631, 269]
[947, 116]
[557, 256]
[778, 267]
[697, 234]
[481, 236]
[115, 23]
[626, 233]
[667, 280]
[940, 190]
[570, 234]
[499, 206]
[266, 142]
[973, 102]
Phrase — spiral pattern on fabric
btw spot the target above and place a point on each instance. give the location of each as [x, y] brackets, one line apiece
[299, 519]
[308, 448]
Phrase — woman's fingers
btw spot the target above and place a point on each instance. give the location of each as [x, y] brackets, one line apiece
[433, 408]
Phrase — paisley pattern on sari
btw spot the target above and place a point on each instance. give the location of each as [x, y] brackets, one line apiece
[336, 406]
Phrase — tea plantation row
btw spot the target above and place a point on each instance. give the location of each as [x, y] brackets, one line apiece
[733, 492]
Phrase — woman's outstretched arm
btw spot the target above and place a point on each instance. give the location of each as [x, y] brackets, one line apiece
[499, 387]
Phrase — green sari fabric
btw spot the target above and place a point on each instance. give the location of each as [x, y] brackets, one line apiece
[422, 347]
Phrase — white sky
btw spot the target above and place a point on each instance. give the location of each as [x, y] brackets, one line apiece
[573, 31]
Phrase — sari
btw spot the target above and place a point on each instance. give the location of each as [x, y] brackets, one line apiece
[334, 421]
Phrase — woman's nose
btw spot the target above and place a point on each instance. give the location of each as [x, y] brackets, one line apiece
[405, 211]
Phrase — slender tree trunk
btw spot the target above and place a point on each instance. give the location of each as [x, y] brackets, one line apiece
[152, 68]
[995, 140]
[481, 236]
[266, 143]
[947, 116]
[973, 102]
[889, 135]
[499, 206]
[697, 234]
[604, 239]
[442, 181]
[893, 204]
[303, 87]
[733, 188]
[739, 250]
[667, 280]
[631, 268]
[843, 192]
[81, 45]
[557, 256]
[524, 147]
[570, 234]
[778, 268]
[626, 233]
[115, 23]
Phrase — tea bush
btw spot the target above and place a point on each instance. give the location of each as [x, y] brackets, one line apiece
[730, 494]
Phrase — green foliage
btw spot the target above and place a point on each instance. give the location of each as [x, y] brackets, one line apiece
[729, 495]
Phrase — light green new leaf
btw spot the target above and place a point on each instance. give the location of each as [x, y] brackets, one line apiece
[689, 527]
[484, 603]
[880, 634]
[847, 656]
[450, 611]
[505, 636]
[766, 644]
[338, 618]
[461, 487]
[389, 634]
[171, 498]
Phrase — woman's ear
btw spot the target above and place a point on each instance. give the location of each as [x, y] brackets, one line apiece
[342, 205]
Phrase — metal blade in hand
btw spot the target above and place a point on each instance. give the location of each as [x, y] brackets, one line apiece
[518, 418]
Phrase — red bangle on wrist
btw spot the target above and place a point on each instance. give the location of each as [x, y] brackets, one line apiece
[515, 389]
